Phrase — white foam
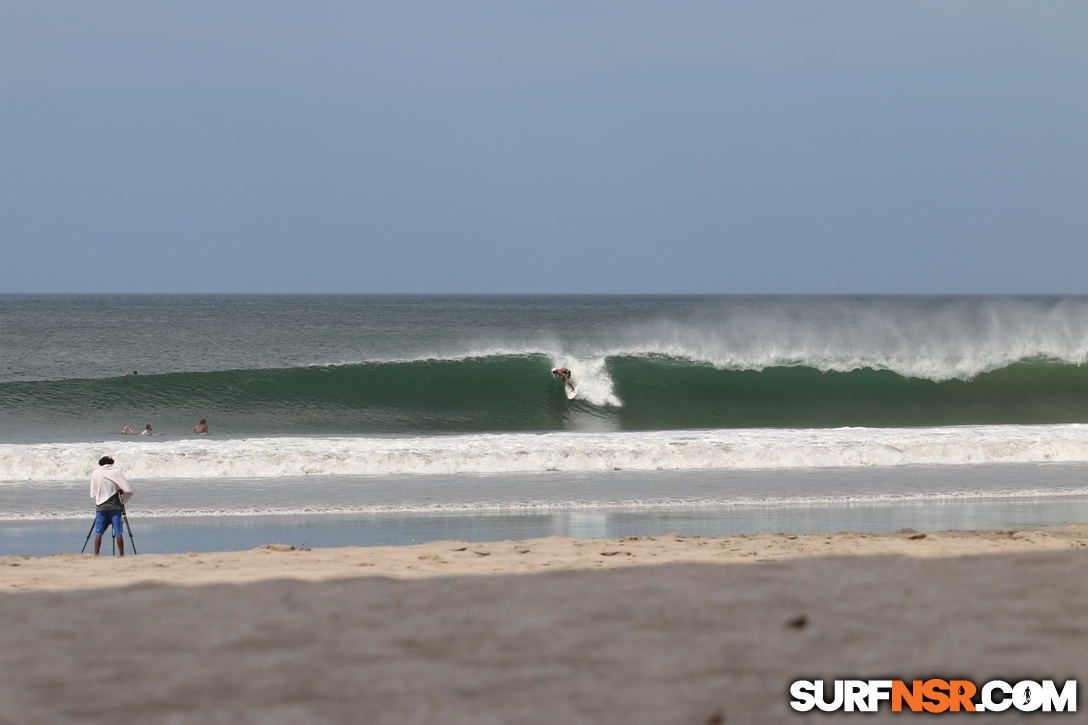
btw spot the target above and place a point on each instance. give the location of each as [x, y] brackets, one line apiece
[584, 504]
[570, 452]
[591, 379]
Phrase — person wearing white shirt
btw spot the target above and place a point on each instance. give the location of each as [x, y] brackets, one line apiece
[110, 491]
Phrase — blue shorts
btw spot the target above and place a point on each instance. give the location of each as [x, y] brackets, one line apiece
[103, 519]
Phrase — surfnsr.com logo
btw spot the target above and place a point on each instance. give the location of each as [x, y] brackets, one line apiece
[934, 696]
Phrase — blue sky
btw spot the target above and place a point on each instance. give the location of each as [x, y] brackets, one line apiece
[600, 147]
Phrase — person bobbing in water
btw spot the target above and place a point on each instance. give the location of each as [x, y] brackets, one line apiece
[565, 374]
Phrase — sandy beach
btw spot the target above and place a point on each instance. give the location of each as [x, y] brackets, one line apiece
[461, 558]
[674, 630]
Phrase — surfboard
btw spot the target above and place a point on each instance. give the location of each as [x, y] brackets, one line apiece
[570, 393]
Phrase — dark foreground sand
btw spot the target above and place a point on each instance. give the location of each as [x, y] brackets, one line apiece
[675, 643]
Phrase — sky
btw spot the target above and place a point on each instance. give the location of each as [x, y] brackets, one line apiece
[751, 146]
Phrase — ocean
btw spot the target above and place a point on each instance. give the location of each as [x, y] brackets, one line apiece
[339, 420]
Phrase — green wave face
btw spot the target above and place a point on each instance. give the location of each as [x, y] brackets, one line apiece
[666, 394]
[518, 393]
[503, 393]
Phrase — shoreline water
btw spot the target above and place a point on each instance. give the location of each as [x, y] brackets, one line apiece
[171, 516]
[172, 535]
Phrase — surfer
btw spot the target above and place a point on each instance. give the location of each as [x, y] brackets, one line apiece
[565, 374]
[201, 427]
[129, 432]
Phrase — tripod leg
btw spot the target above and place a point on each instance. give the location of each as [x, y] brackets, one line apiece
[89, 532]
[128, 526]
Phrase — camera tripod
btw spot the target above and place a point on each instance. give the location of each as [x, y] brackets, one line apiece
[113, 539]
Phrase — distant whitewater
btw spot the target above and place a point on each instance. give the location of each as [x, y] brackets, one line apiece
[519, 453]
